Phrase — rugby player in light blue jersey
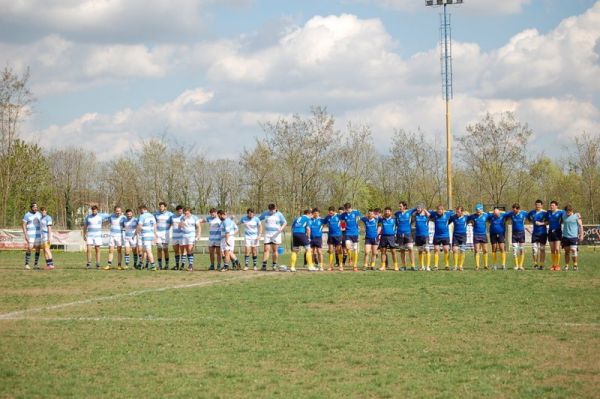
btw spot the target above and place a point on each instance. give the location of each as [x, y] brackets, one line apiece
[459, 237]
[190, 228]
[539, 235]
[228, 231]
[46, 231]
[275, 223]
[115, 238]
[572, 228]
[316, 238]
[480, 220]
[517, 218]
[177, 238]
[301, 238]
[351, 217]
[163, 234]
[404, 235]
[146, 230]
[554, 220]
[252, 231]
[32, 234]
[130, 238]
[214, 239]
[92, 235]
[334, 237]
[372, 232]
[441, 235]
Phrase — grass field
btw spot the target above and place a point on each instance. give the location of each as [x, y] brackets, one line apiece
[122, 334]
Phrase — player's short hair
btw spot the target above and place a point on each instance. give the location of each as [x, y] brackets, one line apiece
[271, 207]
[378, 210]
[439, 206]
[94, 208]
[220, 212]
[187, 208]
[460, 208]
[116, 207]
[369, 210]
[143, 207]
[315, 210]
[347, 205]
[307, 211]
[516, 205]
[387, 208]
[496, 207]
[128, 210]
[403, 203]
[554, 202]
[179, 207]
[42, 209]
[569, 208]
[331, 208]
[539, 201]
[341, 208]
[249, 210]
[32, 204]
[162, 203]
[212, 210]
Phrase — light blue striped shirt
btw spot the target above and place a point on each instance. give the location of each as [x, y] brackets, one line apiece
[273, 221]
[129, 226]
[115, 224]
[33, 224]
[163, 221]
[214, 226]
[189, 226]
[94, 225]
[148, 221]
[251, 226]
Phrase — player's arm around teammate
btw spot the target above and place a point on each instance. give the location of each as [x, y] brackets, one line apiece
[46, 230]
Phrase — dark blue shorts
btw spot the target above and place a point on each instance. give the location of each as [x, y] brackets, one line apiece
[387, 242]
[569, 241]
[316, 242]
[555, 235]
[421, 241]
[518, 237]
[300, 240]
[331, 240]
[459, 239]
[403, 239]
[441, 241]
[539, 238]
[497, 238]
[371, 241]
[353, 239]
[480, 239]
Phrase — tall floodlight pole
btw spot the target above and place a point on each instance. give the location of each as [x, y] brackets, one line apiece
[447, 91]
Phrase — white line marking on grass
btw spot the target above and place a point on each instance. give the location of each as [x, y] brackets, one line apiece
[21, 314]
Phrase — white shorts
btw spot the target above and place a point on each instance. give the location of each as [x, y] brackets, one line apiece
[188, 241]
[146, 243]
[115, 241]
[227, 245]
[274, 238]
[162, 239]
[251, 242]
[130, 242]
[94, 241]
[44, 238]
[34, 241]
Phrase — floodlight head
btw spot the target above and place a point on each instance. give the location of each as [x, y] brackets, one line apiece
[442, 2]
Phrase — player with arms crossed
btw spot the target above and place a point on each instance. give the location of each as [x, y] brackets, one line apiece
[274, 225]
[252, 231]
[539, 235]
[32, 234]
[163, 234]
[46, 237]
[115, 238]
[572, 233]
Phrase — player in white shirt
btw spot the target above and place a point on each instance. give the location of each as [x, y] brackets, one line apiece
[190, 226]
[46, 231]
[274, 224]
[130, 238]
[115, 238]
[177, 237]
[228, 232]
[146, 229]
[32, 233]
[214, 239]
[163, 230]
[252, 231]
[92, 235]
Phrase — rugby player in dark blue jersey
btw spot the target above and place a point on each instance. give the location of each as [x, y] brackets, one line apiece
[351, 217]
[372, 232]
[404, 238]
[316, 237]
[334, 237]
[479, 220]
[459, 237]
[422, 239]
[554, 220]
[387, 241]
[441, 235]
[539, 235]
[518, 218]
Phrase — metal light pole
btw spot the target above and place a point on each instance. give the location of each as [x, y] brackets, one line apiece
[447, 90]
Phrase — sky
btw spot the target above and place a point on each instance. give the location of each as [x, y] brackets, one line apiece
[110, 74]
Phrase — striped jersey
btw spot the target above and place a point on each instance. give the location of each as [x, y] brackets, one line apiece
[214, 228]
[93, 225]
[273, 222]
[228, 226]
[177, 232]
[129, 226]
[163, 222]
[115, 224]
[147, 221]
[45, 222]
[188, 226]
[251, 226]
[32, 221]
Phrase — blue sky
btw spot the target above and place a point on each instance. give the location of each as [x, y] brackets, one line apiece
[121, 71]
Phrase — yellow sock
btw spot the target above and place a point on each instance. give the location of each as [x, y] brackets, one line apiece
[428, 255]
[421, 259]
[494, 257]
[455, 259]
[331, 259]
[373, 264]
[477, 260]
[462, 259]
[395, 265]
[355, 258]
[350, 256]
[436, 259]
[558, 259]
[340, 259]
[486, 260]
[412, 262]
[309, 260]
[503, 255]
[522, 260]
[294, 258]
[447, 259]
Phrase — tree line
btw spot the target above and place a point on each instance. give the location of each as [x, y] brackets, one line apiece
[299, 162]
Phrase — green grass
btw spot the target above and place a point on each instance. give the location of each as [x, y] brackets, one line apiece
[246, 334]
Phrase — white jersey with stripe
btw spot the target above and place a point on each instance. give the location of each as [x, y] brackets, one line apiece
[148, 221]
[93, 225]
[177, 232]
[188, 226]
[115, 222]
[45, 222]
[129, 227]
[214, 228]
[251, 226]
[273, 222]
[163, 223]
[32, 220]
